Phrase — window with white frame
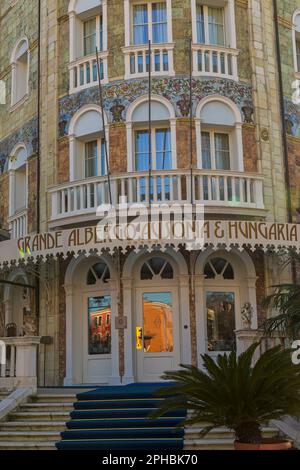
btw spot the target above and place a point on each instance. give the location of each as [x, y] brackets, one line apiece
[296, 41]
[214, 38]
[215, 150]
[154, 150]
[149, 22]
[92, 35]
[20, 71]
[219, 136]
[87, 145]
[88, 32]
[94, 154]
[160, 146]
[210, 24]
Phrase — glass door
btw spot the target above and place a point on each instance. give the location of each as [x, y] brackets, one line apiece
[157, 334]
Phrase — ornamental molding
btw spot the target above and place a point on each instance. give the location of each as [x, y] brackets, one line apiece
[124, 93]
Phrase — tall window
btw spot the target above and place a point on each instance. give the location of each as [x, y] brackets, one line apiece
[90, 28]
[161, 149]
[210, 25]
[95, 164]
[20, 72]
[149, 23]
[215, 150]
[89, 36]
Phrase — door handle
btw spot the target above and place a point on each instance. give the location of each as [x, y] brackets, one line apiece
[139, 338]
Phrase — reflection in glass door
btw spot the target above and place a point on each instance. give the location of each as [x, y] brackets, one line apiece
[220, 308]
[158, 322]
[99, 325]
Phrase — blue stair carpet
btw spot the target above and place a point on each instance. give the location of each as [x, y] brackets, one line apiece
[117, 418]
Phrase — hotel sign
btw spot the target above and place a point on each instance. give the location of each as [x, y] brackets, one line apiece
[196, 235]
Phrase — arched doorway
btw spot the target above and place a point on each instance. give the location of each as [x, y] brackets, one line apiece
[225, 281]
[160, 334]
[17, 301]
[92, 350]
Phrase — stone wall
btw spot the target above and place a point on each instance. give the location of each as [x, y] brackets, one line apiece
[250, 149]
[294, 169]
[4, 185]
[32, 194]
[15, 23]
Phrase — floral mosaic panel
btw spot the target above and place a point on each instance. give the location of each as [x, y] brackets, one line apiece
[119, 95]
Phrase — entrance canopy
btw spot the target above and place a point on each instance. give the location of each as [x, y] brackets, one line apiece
[193, 236]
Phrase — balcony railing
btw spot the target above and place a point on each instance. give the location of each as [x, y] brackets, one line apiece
[84, 73]
[137, 60]
[18, 224]
[230, 190]
[215, 61]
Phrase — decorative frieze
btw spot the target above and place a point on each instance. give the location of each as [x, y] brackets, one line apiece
[118, 96]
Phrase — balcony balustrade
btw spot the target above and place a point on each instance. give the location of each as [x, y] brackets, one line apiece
[84, 74]
[18, 224]
[229, 192]
[215, 61]
[137, 60]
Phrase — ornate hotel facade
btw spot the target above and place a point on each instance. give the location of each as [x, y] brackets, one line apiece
[111, 317]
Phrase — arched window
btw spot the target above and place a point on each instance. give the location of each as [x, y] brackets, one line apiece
[218, 268]
[98, 272]
[219, 135]
[156, 267]
[20, 71]
[18, 191]
[296, 40]
[161, 141]
[87, 149]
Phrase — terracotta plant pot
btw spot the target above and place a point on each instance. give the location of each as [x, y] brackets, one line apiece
[266, 444]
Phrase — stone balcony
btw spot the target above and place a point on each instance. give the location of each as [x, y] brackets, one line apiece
[215, 61]
[18, 224]
[137, 60]
[225, 192]
[84, 73]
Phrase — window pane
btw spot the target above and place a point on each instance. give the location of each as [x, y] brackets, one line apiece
[99, 310]
[142, 150]
[89, 36]
[200, 24]
[163, 149]
[220, 308]
[206, 151]
[103, 159]
[101, 33]
[159, 22]
[216, 26]
[140, 24]
[91, 166]
[158, 322]
[222, 151]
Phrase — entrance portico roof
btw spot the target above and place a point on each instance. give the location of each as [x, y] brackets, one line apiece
[213, 233]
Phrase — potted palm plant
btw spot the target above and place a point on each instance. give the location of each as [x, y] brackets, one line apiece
[231, 392]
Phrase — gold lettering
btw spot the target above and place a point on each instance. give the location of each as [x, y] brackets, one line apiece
[73, 238]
